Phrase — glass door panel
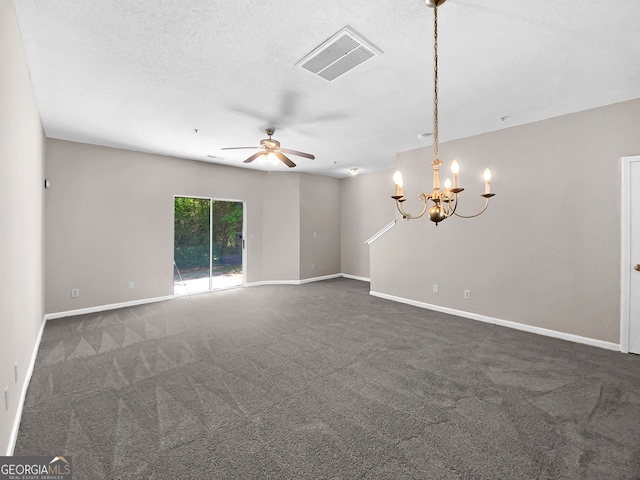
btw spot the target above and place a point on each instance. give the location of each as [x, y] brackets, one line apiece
[192, 245]
[227, 243]
[208, 244]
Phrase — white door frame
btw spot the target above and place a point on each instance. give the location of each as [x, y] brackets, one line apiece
[625, 258]
[244, 231]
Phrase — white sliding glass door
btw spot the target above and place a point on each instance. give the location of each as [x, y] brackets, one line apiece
[208, 244]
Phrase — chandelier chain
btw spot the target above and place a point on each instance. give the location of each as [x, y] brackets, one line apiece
[435, 82]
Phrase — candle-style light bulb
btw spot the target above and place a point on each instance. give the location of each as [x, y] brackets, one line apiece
[487, 181]
[447, 185]
[397, 180]
[455, 169]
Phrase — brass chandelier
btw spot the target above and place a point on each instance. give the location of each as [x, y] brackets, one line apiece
[445, 201]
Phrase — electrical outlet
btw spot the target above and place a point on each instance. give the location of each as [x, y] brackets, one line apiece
[467, 294]
[75, 292]
[6, 398]
[315, 234]
[436, 289]
[132, 285]
[313, 267]
[15, 372]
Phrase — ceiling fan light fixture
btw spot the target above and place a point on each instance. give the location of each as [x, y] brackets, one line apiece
[269, 149]
[271, 158]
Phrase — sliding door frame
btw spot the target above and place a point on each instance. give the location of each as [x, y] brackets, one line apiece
[244, 232]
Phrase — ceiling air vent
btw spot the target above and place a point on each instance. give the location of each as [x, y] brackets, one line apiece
[342, 52]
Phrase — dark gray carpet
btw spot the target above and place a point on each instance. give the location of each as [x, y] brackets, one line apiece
[323, 381]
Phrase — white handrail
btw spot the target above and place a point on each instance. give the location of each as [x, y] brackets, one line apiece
[384, 230]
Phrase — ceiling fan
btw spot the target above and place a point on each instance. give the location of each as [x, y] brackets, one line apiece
[270, 146]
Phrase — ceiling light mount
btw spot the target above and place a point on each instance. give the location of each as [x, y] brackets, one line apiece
[445, 201]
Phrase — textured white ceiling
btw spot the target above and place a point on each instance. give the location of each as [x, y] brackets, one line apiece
[143, 74]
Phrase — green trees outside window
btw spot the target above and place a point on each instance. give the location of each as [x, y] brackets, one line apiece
[197, 222]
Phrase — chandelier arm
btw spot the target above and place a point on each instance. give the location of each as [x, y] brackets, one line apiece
[450, 211]
[486, 204]
[408, 216]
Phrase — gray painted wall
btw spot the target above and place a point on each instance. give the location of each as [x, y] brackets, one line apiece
[109, 220]
[366, 208]
[281, 212]
[21, 219]
[547, 251]
[319, 215]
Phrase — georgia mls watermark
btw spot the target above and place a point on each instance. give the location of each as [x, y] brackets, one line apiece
[36, 468]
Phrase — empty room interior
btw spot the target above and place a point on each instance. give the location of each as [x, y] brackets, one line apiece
[212, 269]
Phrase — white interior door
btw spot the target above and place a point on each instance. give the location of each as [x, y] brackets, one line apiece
[634, 290]
[631, 254]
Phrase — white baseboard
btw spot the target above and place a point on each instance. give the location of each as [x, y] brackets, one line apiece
[354, 277]
[292, 282]
[23, 395]
[319, 279]
[306, 280]
[102, 308]
[503, 323]
[272, 282]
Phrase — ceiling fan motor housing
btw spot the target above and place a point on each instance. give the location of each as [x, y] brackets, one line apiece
[269, 143]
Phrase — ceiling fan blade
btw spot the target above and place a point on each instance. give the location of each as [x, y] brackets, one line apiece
[300, 154]
[285, 160]
[253, 157]
[238, 148]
